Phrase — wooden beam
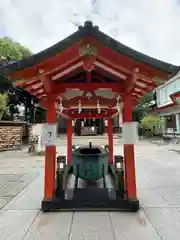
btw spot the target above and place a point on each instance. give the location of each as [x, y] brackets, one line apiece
[91, 115]
[85, 102]
[47, 83]
[88, 63]
[146, 80]
[130, 83]
[63, 67]
[139, 95]
[33, 87]
[29, 81]
[125, 61]
[60, 88]
[114, 66]
[49, 64]
[74, 68]
[147, 88]
[88, 116]
[108, 74]
[110, 70]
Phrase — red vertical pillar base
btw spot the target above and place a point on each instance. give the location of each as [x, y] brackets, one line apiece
[129, 160]
[130, 182]
[50, 169]
[69, 141]
[50, 155]
[110, 138]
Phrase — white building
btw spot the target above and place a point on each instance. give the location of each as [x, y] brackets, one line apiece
[168, 108]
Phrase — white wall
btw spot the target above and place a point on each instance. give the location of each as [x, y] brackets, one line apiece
[163, 92]
[37, 128]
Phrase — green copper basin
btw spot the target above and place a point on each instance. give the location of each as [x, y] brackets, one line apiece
[90, 163]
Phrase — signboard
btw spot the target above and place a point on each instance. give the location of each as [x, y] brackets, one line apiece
[130, 132]
[49, 135]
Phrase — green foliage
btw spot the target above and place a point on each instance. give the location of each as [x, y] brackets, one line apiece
[146, 99]
[151, 125]
[143, 107]
[139, 113]
[12, 50]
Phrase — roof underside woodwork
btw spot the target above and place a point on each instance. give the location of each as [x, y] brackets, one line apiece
[90, 67]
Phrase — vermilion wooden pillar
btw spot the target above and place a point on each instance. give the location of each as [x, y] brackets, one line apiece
[50, 155]
[110, 138]
[130, 179]
[69, 140]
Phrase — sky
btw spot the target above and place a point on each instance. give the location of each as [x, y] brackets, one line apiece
[151, 27]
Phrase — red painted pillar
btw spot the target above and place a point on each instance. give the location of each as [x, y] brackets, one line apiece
[69, 140]
[50, 154]
[110, 138]
[129, 159]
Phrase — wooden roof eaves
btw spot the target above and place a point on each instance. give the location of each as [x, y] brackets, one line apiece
[88, 30]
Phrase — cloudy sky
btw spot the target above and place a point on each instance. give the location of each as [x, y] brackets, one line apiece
[152, 27]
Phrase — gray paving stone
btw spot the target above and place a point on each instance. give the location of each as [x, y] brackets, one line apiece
[18, 188]
[129, 226]
[14, 224]
[91, 226]
[152, 198]
[157, 172]
[4, 201]
[30, 198]
[55, 226]
[172, 195]
[6, 188]
[166, 222]
[10, 177]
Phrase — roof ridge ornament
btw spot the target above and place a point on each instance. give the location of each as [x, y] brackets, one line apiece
[88, 25]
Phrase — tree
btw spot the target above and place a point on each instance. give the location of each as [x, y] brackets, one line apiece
[146, 99]
[3, 104]
[144, 107]
[13, 51]
[152, 125]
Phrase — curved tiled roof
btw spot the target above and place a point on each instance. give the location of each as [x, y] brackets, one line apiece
[88, 30]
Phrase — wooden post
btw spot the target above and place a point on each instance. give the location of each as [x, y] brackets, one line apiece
[69, 140]
[110, 138]
[130, 179]
[50, 154]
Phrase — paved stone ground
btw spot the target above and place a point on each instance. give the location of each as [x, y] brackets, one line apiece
[158, 183]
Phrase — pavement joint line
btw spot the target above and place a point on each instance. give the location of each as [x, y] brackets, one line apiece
[153, 225]
[30, 225]
[71, 224]
[25, 187]
[112, 227]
